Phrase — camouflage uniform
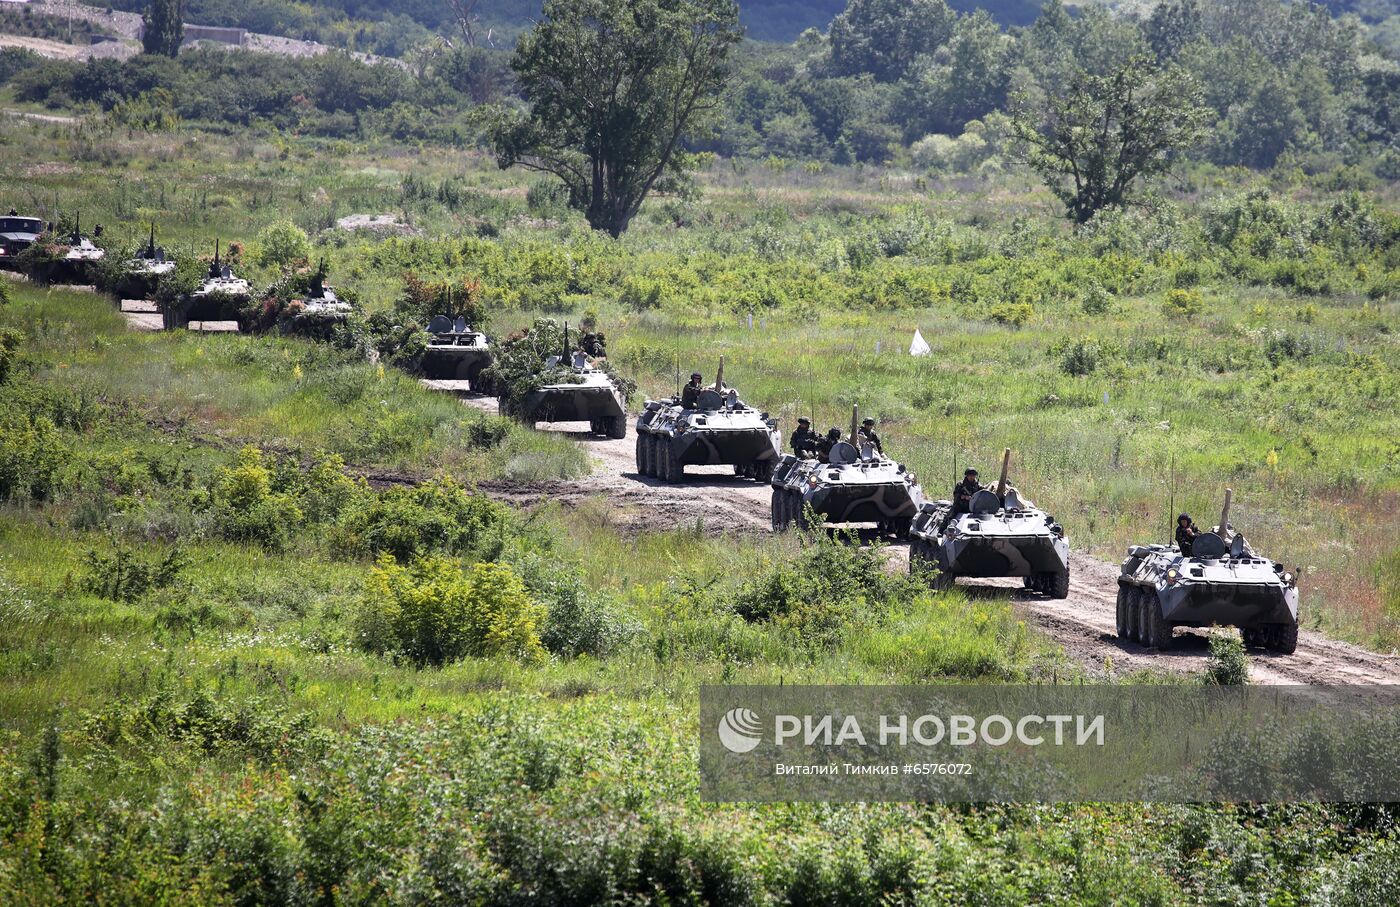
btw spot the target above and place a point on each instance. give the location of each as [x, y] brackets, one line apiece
[690, 395]
[804, 442]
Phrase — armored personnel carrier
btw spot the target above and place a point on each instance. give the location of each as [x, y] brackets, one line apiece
[82, 255]
[720, 430]
[853, 486]
[144, 271]
[218, 298]
[17, 234]
[567, 387]
[1222, 581]
[457, 353]
[1002, 534]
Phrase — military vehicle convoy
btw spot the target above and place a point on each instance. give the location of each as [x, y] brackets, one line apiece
[853, 486]
[1221, 582]
[457, 353]
[1001, 534]
[720, 430]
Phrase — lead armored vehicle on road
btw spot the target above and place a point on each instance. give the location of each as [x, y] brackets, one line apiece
[1221, 582]
[1002, 534]
[720, 430]
[457, 353]
[853, 486]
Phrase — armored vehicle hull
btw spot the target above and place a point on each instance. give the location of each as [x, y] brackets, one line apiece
[593, 399]
[875, 490]
[721, 431]
[1219, 584]
[1000, 538]
[457, 353]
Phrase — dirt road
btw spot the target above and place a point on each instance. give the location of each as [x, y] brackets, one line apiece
[1083, 623]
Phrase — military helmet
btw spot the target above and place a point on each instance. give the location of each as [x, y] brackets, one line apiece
[1183, 516]
[696, 375]
[969, 472]
[803, 420]
[868, 422]
[834, 434]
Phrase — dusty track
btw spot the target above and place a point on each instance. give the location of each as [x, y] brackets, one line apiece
[1083, 623]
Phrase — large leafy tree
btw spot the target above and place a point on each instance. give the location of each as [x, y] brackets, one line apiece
[612, 87]
[1092, 140]
[164, 27]
[885, 37]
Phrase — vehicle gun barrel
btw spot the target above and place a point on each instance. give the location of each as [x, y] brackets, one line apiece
[1005, 470]
[1222, 530]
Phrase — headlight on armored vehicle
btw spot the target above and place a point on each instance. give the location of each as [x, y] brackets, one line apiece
[1172, 576]
[1290, 580]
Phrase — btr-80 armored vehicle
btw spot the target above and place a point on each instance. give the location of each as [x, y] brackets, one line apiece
[851, 486]
[81, 259]
[572, 387]
[144, 271]
[1222, 581]
[1000, 534]
[719, 430]
[218, 298]
[457, 353]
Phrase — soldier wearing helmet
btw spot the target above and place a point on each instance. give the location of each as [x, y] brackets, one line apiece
[868, 436]
[824, 445]
[1186, 533]
[690, 394]
[804, 440]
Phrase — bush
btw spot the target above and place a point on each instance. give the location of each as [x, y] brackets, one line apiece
[118, 574]
[245, 507]
[1014, 314]
[1095, 300]
[435, 517]
[282, 245]
[1182, 304]
[434, 612]
[578, 622]
[9, 348]
[1080, 357]
[31, 455]
[1227, 665]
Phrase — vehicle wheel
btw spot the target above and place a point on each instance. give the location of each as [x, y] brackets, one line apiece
[1134, 612]
[1159, 632]
[1122, 612]
[777, 508]
[1253, 637]
[616, 427]
[1029, 582]
[799, 505]
[763, 470]
[642, 455]
[1057, 584]
[1282, 638]
[671, 468]
[943, 580]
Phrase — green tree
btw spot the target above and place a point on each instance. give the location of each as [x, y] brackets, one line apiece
[884, 37]
[613, 86]
[163, 27]
[1093, 140]
[282, 244]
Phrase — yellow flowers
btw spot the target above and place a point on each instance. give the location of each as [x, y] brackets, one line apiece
[296, 372]
[1272, 460]
[379, 372]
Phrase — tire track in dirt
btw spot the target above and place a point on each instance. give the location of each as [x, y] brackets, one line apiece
[1083, 623]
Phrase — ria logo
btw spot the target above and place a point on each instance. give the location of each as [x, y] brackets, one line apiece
[740, 731]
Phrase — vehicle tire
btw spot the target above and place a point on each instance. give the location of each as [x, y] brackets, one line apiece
[777, 508]
[615, 427]
[763, 470]
[916, 556]
[943, 580]
[1122, 612]
[1253, 637]
[1057, 584]
[1159, 632]
[1282, 638]
[1134, 612]
[671, 469]
[799, 505]
[1029, 582]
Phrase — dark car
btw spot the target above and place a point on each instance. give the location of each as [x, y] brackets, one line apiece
[18, 234]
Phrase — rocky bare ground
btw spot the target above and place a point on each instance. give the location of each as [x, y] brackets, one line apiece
[715, 500]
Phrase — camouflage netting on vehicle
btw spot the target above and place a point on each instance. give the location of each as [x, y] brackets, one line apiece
[519, 367]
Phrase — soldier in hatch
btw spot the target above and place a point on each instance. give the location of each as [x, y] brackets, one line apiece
[964, 490]
[867, 436]
[804, 440]
[824, 445]
[1186, 533]
[690, 394]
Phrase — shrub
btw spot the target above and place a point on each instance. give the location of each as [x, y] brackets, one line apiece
[118, 574]
[283, 244]
[1182, 304]
[1014, 314]
[1095, 300]
[31, 455]
[1080, 357]
[438, 516]
[245, 507]
[9, 348]
[577, 622]
[1227, 665]
[434, 612]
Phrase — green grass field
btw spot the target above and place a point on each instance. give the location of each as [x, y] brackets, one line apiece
[227, 734]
